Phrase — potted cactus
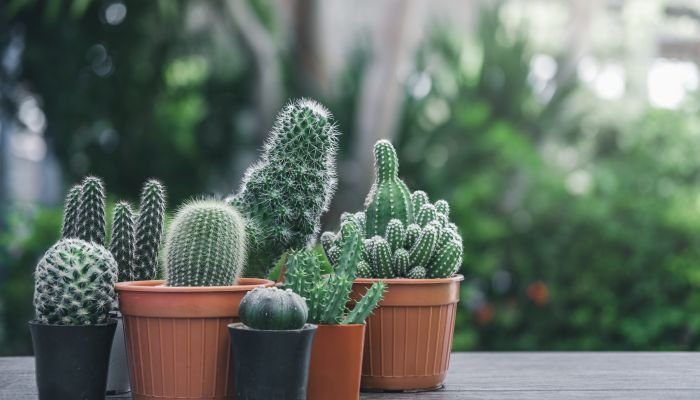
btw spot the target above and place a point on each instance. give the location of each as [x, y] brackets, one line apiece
[412, 246]
[336, 357]
[72, 332]
[271, 346]
[175, 328]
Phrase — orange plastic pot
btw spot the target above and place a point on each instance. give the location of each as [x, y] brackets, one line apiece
[177, 339]
[408, 339]
[336, 362]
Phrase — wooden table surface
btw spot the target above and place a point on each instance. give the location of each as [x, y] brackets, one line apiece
[505, 376]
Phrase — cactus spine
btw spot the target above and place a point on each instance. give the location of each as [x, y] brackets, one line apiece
[205, 245]
[71, 211]
[149, 231]
[123, 241]
[91, 211]
[285, 193]
[74, 284]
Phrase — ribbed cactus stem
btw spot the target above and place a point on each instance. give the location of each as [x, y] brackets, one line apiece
[443, 207]
[369, 301]
[71, 211]
[412, 233]
[395, 234]
[423, 249]
[427, 214]
[416, 272]
[149, 230]
[91, 211]
[419, 198]
[446, 261]
[401, 262]
[363, 270]
[123, 241]
[381, 260]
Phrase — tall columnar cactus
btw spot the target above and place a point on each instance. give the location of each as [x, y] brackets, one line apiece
[205, 245]
[327, 297]
[122, 244]
[284, 194]
[71, 211]
[149, 230]
[74, 284]
[91, 211]
[389, 197]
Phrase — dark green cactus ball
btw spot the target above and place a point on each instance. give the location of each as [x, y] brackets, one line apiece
[273, 309]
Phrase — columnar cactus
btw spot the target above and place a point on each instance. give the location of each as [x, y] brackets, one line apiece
[205, 245]
[123, 240]
[70, 212]
[149, 231]
[284, 194]
[273, 309]
[91, 211]
[74, 284]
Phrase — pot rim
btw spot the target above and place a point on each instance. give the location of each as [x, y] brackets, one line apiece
[409, 281]
[243, 327]
[110, 321]
[156, 286]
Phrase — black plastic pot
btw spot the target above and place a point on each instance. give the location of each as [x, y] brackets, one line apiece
[268, 365]
[72, 361]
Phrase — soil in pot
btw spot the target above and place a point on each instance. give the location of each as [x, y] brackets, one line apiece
[270, 364]
[177, 337]
[408, 339]
[72, 361]
[336, 362]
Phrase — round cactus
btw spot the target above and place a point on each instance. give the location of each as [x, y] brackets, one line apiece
[205, 245]
[74, 284]
[273, 309]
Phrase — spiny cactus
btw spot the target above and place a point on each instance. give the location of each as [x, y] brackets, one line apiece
[284, 194]
[205, 245]
[91, 211]
[74, 284]
[71, 211]
[149, 230]
[416, 272]
[273, 309]
[327, 297]
[123, 240]
[389, 197]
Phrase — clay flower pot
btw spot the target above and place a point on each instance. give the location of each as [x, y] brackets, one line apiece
[409, 337]
[336, 362]
[177, 339]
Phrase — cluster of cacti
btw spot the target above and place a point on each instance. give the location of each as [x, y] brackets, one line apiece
[74, 284]
[273, 309]
[284, 194]
[405, 236]
[205, 245]
[327, 296]
[134, 244]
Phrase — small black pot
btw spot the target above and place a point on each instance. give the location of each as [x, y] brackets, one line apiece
[71, 361]
[268, 365]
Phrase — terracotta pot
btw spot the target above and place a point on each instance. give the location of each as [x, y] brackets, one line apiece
[177, 338]
[409, 337]
[336, 362]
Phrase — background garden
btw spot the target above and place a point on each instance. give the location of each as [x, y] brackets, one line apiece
[563, 133]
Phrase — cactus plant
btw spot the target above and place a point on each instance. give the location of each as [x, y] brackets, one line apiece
[149, 231]
[74, 284]
[123, 241]
[284, 194]
[91, 211]
[273, 309]
[205, 245]
[70, 212]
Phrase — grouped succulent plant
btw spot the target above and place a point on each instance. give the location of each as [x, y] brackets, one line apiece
[404, 235]
[328, 296]
[74, 284]
[135, 238]
[273, 309]
[205, 245]
[284, 194]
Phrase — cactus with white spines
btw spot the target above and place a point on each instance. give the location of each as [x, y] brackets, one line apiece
[149, 231]
[205, 245]
[284, 194]
[71, 211]
[395, 234]
[91, 211]
[123, 240]
[417, 272]
[74, 284]
[412, 233]
[401, 262]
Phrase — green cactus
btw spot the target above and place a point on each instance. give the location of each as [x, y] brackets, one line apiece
[327, 241]
[445, 262]
[364, 308]
[91, 211]
[418, 199]
[443, 207]
[273, 309]
[380, 258]
[74, 284]
[285, 193]
[412, 233]
[395, 234]
[416, 272]
[363, 270]
[123, 241]
[389, 197]
[401, 262]
[426, 215]
[149, 230]
[205, 245]
[421, 252]
[71, 211]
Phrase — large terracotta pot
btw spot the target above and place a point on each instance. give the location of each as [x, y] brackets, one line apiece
[409, 337]
[177, 338]
[336, 362]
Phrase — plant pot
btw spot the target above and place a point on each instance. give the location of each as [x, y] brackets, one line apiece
[176, 337]
[118, 374]
[71, 361]
[408, 339]
[269, 364]
[336, 362]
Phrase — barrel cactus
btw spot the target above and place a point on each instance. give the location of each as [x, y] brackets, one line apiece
[273, 309]
[205, 245]
[74, 284]
[284, 194]
[405, 235]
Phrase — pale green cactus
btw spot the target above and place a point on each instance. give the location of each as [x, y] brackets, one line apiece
[71, 212]
[91, 211]
[149, 230]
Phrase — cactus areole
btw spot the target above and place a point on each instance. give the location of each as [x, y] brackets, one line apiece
[273, 309]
